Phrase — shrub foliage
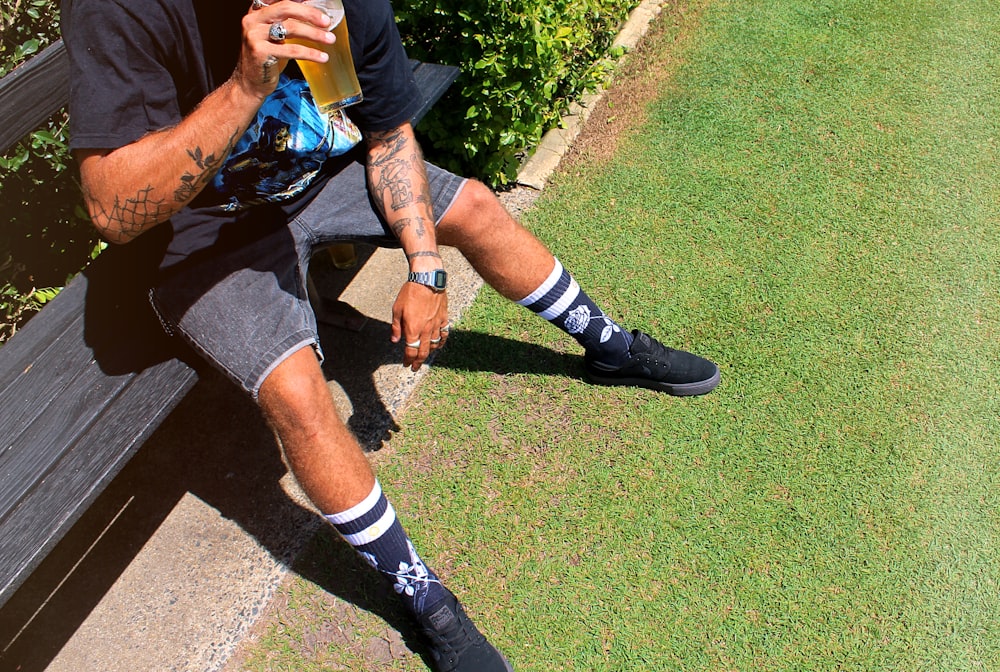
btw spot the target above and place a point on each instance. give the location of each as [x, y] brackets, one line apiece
[523, 62]
[45, 236]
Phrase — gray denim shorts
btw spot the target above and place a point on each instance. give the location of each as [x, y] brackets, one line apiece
[258, 313]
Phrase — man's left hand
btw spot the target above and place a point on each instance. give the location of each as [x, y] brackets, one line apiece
[420, 321]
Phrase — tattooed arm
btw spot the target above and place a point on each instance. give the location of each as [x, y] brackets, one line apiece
[398, 185]
[133, 188]
[130, 189]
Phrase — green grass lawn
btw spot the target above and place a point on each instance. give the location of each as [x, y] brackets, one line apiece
[813, 203]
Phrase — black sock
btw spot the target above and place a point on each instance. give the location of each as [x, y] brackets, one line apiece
[372, 528]
[561, 301]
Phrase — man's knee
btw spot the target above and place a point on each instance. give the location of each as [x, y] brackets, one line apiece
[476, 212]
[295, 392]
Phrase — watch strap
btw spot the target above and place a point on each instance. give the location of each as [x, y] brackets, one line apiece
[436, 280]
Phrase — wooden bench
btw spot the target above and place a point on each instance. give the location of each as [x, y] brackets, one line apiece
[90, 377]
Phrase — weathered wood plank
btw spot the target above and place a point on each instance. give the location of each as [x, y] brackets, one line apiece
[33, 92]
[44, 515]
[433, 80]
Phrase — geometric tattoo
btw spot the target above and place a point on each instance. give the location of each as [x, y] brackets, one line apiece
[126, 220]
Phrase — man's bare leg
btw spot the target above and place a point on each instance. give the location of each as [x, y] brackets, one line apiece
[334, 472]
[322, 452]
[518, 266]
[508, 257]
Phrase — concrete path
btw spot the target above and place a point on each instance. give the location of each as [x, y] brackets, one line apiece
[177, 559]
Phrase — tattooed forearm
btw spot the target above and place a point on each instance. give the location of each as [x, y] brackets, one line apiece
[396, 171]
[404, 223]
[386, 145]
[124, 221]
[193, 182]
[422, 253]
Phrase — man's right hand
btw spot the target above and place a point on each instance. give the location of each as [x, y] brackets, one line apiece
[262, 58]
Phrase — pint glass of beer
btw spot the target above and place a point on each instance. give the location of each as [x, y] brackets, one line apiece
[334, 84]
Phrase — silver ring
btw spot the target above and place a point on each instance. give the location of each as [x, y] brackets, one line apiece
[446, 328]
[415, 344]
[435, 341]
[277, 33]
[257, 4]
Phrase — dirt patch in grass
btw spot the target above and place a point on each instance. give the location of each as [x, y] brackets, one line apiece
[644, 75]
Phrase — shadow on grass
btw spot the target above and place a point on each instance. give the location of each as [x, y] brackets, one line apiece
[334, 566]
[475, 351]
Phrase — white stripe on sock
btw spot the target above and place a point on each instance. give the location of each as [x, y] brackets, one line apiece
[560, 306]
[549, 283]
[358, 510]
[373, 531]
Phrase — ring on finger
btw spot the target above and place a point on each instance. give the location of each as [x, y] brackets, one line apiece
[446, 328]
[434, 341]
[415, 344]
[277, 32]
[258, 4]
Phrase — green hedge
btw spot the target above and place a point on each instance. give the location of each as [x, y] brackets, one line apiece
[523, 62]
[45, 236]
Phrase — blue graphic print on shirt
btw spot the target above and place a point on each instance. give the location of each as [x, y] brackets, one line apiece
[284, 148]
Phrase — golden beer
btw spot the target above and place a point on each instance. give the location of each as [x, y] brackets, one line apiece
[343, 255]
[334, 84]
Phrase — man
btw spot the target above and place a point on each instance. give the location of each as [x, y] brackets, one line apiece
[175, 104]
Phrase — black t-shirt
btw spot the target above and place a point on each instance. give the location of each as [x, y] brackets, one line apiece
[142, 65]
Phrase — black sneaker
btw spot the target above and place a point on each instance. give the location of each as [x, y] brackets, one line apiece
[652, 364]
[456, 645]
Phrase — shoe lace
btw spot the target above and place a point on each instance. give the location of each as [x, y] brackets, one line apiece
[449, 642]
[658, 353]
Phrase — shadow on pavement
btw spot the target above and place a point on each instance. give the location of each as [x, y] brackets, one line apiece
[216, 446]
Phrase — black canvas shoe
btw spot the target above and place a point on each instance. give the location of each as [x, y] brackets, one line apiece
[657, 367]
[456, 645]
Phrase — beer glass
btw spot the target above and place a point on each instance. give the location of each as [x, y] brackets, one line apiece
[334, 84]
[343, 255]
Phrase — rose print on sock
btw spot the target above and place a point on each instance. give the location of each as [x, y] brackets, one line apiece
[578, 320]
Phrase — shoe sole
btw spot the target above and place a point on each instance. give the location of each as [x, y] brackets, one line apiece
[675, 389]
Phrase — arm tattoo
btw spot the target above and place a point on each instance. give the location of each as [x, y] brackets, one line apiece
[267, 67]
[423, 253]
[127, 218]
[125, 221]
[393, 174]
[193, 183]
[402, 224]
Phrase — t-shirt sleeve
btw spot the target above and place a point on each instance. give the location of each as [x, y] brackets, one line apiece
[391, 96]
[120, 85]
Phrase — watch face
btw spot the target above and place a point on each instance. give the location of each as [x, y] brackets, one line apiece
[440, 279]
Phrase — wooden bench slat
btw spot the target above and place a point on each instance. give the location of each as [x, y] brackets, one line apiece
[84, 469]
[33, 92]
[39, 447]
[27, 345]
[433, 80]
[28, 394]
